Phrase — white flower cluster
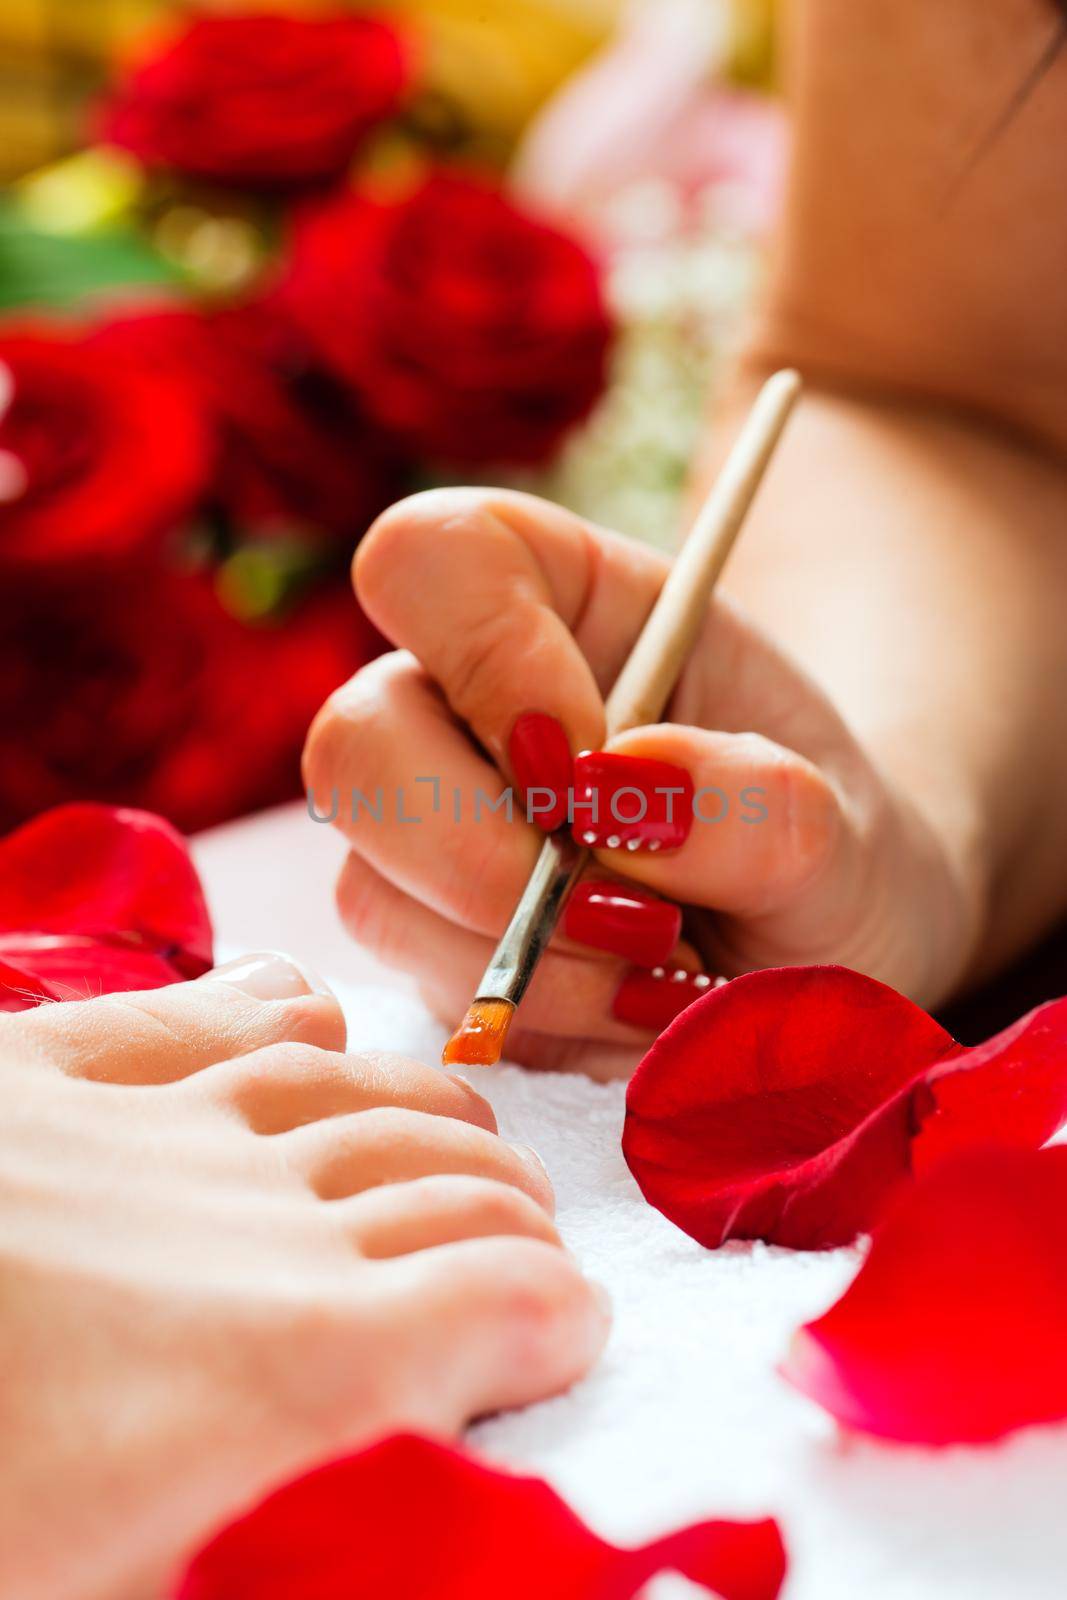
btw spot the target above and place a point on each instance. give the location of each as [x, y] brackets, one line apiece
[680, 294]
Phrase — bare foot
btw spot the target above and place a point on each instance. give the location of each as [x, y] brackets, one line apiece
[228, 1250]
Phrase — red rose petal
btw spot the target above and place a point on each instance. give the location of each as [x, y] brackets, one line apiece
[95, 899]
[19, 989]
[954, 1329]
[71, 967]
[410, 1519]
[105, 870]
[776, 1108]
[1012, 1090]
[787, 1105]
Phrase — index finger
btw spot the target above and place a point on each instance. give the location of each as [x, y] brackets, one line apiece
[514, 607]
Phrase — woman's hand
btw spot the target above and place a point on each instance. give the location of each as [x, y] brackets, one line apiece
[513, 619]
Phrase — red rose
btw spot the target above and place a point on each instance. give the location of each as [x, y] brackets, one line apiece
[263, 100]
[95, 457]
[470, 330]
[292, 449]
[139, 688]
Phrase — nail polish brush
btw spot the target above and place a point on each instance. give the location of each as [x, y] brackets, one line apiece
[640, 696]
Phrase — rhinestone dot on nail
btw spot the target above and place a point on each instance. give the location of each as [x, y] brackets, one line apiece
[589, 838]
[633, 844]
[614, 841]
[659, 972]
[702, 981]
[654, 844]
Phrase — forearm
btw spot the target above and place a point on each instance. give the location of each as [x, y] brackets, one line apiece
[916, 564]
[910, 546]
[915, 256]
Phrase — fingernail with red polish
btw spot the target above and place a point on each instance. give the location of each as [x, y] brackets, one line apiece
[629, 802]
[543, 767]
[623, 921]
[651, 1000]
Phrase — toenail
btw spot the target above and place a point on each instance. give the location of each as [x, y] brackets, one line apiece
[603, 1300]
[529, 1158]
[268, 975]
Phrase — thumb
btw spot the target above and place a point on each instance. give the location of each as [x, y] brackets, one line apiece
[755, 826]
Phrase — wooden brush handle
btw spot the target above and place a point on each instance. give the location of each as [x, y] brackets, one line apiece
[646, 682]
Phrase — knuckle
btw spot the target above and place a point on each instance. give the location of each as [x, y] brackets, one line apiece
[384, 1127]
[813, 806]
[813, 821]
[362, 906]
[332, 738]
[385, 1068]
[429, 1088]
[323, 1154]
[758, 752]
[475, 656]
[499, 1207]
[485, 875]
[292, 1058]
[803, 811]
[542, 1295]
[311, 1019]
[319, 760]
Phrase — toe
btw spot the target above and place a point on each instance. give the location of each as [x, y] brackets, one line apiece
[489, 1324]
[290, 1085]
[161, 1035]
[425, 1212]
[390, 1144]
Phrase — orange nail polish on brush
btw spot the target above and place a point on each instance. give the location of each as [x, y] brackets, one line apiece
[479, 1039]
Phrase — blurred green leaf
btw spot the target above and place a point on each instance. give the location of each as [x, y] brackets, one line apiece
[49, 269]
[262, 578]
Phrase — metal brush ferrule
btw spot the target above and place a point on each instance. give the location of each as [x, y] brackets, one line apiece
[558, 868]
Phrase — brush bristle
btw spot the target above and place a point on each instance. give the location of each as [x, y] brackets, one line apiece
[479, 1039]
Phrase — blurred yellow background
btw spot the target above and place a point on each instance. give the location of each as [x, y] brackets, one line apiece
[492, 62]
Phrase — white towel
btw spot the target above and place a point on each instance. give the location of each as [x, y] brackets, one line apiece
[685, 1417]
